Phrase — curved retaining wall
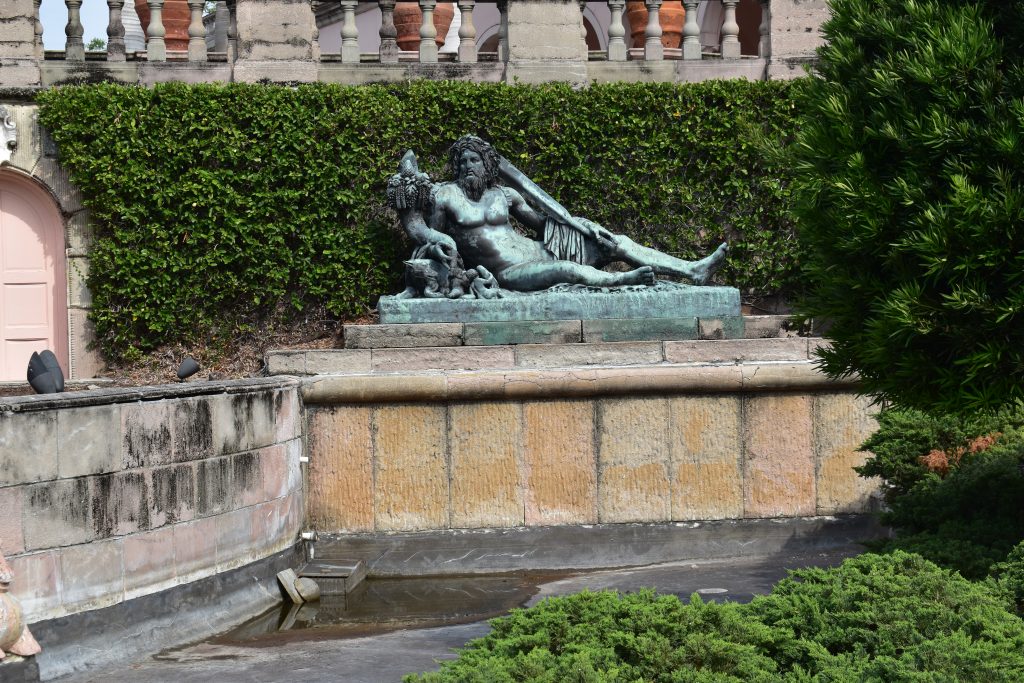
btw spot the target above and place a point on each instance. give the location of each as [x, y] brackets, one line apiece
[111, 495]
[547, 447]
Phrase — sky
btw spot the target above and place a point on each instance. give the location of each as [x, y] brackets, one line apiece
[54, 16]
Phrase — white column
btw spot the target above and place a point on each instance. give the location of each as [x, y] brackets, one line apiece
[653, 49]
[196, 32]
[730, 31]
[467, 32]
[428, 46]
[691, 31]
[349, 32]
[156, 49]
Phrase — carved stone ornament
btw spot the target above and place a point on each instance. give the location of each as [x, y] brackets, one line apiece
[15, 637]
[8, 134]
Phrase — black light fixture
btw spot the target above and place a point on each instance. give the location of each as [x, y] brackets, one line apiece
[188, 367]
[44, 373]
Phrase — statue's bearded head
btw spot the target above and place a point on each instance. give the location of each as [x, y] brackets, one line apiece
[474, 163]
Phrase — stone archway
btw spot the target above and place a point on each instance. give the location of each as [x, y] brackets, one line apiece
[33, 278]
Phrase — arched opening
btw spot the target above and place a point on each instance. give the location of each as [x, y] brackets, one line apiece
[33, 281]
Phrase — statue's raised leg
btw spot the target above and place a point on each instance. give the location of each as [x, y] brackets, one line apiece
[663, 264]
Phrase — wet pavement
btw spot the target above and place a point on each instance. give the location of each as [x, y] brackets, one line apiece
[392, 627]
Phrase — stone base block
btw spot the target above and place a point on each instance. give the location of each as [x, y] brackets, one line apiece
[661, 301]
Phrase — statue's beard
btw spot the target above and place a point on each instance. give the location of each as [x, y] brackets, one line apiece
[473, 186]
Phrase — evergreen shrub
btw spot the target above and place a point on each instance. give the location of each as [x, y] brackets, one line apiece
[216, 207]
[909, 196]
[891, 617]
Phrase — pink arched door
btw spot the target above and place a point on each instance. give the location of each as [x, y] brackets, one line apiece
[33, 285]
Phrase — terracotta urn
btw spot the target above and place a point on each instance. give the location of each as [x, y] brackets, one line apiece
[672, 15]
[409, 18]
[176, 17]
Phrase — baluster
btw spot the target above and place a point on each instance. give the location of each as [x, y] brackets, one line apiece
[314, 7]
[115, 31]
[730, 31]
[196, 32]
[503, 31]
[616, 32]
[349, 32]
[232, 30]
[583, 25]
[653, 49]
[467, 32]
[156, 49]
[38, 30]
[691, 31]
[388, 33]
[428, 47]
[763, 43]
[74, 48]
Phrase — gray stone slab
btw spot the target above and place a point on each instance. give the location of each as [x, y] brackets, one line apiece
[725, 327]
[639, 329]
[736, 350]
[768, 326]
[89, 440]
[286, 362]
[402, 336]
[576, 355]
[28, 447]
[338, 361]
[523, 332]
[443, 358]
[58, 513]
[665, 300]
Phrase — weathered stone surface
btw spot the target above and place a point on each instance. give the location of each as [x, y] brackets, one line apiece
[146, 434]
[89, 440]
[338, 361]
[796, 27]
[560, 463]
[36, 583]
[288, 423]
[538, 30]
[247, 479]
[569, 355]
[275, 30]
[286, 363]
[78, 274]
[92, 575]
[706, 458]
[341, 487]
[80, 233]
[213, 486]
[12, 538]
[841, 423]
[767, 326]
[192, 431]
[681, 302]
[120, 504]
[29, 149]
[736, 350]
[634, 483]
[58, 513]
[85, 362]
[725, 327]
[779, 452]
[485, 446]
[443, 358]
[402, 336]
[237, 543]
[242, 422]
[52, 174]
[28, 447]
[173, 494]
[638, 329]
[523, 332]
[195, 548]
[148, 562]
[19, 72]
[411, 478]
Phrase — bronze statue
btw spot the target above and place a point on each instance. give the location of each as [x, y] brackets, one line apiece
[464, 226]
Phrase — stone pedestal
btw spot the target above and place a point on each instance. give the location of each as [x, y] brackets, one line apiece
[275, 41]
[545, 42]
[794, 35]
[18, 63]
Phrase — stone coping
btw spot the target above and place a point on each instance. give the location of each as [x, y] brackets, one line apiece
[93, 397]
[579, 382]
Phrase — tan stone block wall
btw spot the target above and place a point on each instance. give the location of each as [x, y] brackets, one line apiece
[341, 470]
[707, 466]
[560, 463]
[633, 460]
[779, 479]
[410, 471]
[841, 424]
[485, 442]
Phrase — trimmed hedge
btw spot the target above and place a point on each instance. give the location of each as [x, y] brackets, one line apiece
[875, 618]
[219, 207]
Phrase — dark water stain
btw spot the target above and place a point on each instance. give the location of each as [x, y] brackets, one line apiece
[383, 605]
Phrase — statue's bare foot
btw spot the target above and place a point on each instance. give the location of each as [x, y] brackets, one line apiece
[644, 275]
[702, 270]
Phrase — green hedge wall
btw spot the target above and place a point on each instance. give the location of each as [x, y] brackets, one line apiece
[219, 207]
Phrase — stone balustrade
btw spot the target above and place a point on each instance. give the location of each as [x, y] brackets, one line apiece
[527, 40]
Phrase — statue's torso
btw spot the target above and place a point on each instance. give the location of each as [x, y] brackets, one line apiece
[482, 232]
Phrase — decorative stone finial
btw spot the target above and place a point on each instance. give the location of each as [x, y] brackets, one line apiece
[8, 134]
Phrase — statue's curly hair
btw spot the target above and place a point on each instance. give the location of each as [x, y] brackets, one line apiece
[481, 147]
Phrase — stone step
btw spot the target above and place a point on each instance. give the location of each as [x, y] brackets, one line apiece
[414, 335]
[524, 356]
